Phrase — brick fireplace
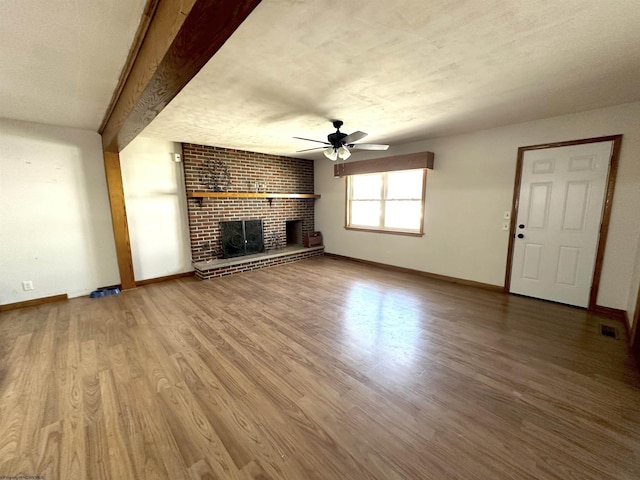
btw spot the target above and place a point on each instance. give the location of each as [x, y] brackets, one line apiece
[285, 220]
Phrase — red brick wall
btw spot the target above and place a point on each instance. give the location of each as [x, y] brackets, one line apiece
[274, 174]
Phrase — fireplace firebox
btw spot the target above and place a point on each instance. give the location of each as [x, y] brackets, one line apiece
[294, 232]
[242, 237]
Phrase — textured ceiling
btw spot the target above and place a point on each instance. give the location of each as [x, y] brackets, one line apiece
[407, 72]
[60, 60]
[414, 71]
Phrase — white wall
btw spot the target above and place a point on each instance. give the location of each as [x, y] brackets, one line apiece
[470, 188]
[55, 224]
[156, 208]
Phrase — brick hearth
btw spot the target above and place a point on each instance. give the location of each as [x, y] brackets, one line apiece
[229, 266]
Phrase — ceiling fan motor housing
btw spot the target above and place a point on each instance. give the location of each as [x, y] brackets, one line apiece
[335, 139]
[338, 140]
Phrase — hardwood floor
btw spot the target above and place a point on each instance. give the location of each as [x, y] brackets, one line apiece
[321, 369]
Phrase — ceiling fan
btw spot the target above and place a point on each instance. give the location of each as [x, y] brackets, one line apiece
[339, 143]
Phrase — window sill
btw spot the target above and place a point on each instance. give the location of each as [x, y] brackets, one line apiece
[392, 232]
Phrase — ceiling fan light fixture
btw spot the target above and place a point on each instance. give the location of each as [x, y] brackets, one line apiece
[343, 152]
[331, 153]
[338, 143]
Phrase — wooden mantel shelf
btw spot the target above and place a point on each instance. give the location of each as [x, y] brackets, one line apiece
[191, 194]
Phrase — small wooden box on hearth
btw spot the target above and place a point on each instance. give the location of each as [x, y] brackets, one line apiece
[313, 239]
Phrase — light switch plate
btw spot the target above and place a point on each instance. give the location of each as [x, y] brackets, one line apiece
[507, 215]
[505, 225]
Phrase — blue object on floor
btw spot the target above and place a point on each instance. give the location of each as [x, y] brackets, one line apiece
[103, 292]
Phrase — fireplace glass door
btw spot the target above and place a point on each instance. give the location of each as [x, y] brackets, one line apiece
[243, 237]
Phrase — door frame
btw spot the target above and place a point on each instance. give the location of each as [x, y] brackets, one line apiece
[634, 337]
[606, 214]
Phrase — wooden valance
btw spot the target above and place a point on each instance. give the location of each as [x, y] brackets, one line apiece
[386, 164]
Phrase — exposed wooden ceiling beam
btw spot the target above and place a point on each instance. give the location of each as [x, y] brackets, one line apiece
[180, 40]
[143, 27]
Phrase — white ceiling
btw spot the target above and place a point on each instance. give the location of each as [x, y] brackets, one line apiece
[60, 60]
[402, 71]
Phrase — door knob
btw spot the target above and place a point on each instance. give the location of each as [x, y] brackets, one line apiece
[520, 235]
[521, 225]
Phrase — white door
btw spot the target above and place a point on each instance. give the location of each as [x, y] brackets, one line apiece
[560, 208]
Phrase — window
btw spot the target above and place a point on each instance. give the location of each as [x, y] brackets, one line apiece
[387, 202]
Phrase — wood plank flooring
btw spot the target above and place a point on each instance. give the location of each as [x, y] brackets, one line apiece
[321, 369]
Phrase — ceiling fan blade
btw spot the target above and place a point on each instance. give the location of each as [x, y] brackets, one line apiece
[369, 146]
[309, 149]
[311, 140]
[354, 137]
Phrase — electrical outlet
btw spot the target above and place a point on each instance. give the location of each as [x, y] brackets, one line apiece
[27, 285]
[507, 215]
[505, 225]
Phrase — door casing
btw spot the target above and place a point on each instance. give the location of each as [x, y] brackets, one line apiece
[606, 214]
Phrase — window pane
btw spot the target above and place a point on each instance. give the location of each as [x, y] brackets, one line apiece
[402, 214]
[404, 184]
[366, 187]
[365, 214]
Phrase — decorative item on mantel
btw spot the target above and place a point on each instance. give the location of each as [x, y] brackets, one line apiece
[256, 185]
[216, 176]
